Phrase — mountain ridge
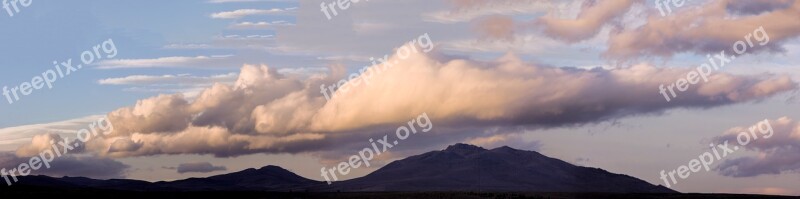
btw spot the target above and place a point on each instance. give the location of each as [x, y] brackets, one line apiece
[459, 167]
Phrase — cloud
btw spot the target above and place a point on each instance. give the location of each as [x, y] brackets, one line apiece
[708, 29]
[187, 84]
[372, 27]
[467, 10]
[517, 43]
[494, 139]
[198, 61]
[267, 112]
[46, 142]
[588, 23]
[12, 138]
[512, 92]
[187, 46]
[303, 73]
[777, 153]
[200, 167]
[260, 25]
[754, 7]
[236, 14]
[770, 191]
[496, 27]
[495, 19]
[168, 79]
[265, 42]
[72, 165]
[250, 42]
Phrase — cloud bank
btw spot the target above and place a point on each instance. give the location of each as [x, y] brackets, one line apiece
[265, 111]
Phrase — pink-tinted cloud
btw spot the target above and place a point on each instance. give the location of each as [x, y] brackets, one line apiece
[708, 29]
[593, 16]
[265, 111]
[778, 149]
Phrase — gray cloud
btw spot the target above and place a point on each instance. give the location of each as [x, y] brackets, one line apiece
[200, 167]
[754, 7]
[778, 152]
[71, 165]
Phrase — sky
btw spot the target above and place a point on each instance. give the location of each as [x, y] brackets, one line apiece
[207, 87]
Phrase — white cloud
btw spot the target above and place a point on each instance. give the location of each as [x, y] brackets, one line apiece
[190, 86]
[13, 137]
[198, 61]
[260, 25]
[180, 79]
[187, 46]
[236, 14]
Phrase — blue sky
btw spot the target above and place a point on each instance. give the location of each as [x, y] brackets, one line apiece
[48, 31]
[517, 73]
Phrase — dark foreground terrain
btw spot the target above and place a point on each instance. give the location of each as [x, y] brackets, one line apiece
[33, 192]
[460, 171]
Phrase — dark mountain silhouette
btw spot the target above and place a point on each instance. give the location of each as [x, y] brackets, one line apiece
[460, 167]
[463, 167]
[271, 178]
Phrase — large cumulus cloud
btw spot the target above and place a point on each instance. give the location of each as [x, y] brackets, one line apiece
[265, 111]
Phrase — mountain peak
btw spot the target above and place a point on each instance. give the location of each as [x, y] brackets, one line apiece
[505, 148]
[272, 167]
[464, 167]
[464, 149]
[462, 146]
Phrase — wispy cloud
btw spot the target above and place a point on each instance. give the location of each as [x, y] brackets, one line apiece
[199, 167]
[13, 137]
[260, 25]
[198, 61]
[180, 79]
[465, 11]
[189, 85]
[187, 46]
[236, 14]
